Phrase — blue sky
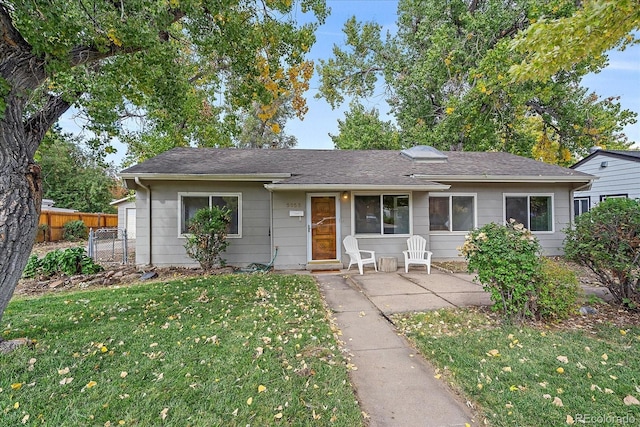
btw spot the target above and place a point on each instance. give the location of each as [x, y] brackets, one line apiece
[621, 78]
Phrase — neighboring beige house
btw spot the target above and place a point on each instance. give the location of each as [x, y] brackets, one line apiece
[304, 202]
[126, 215]
[618, 173]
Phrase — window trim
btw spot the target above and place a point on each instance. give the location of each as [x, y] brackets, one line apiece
[581, 199]
[409, 194]
[450, 196]
[604, 197]
[208, 194]
[528, 196]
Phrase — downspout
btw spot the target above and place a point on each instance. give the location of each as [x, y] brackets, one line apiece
[149, 222]
[271, 225]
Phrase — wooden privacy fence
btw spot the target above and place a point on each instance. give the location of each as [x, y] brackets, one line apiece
[50, 228]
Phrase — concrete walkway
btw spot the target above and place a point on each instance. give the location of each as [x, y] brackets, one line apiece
[396, 386]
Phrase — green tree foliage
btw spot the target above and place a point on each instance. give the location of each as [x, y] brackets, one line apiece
[207, 237]
[182, 68]
[446, 76]
[607, 241]
[256, 133]
[554, 44]
[363, 130]
[72, 177]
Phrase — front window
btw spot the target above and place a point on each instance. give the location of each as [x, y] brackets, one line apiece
[190, 203]
[535, 212]
[382, 214]
[452, 213]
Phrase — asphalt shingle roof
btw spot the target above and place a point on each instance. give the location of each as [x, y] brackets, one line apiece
[369, 167]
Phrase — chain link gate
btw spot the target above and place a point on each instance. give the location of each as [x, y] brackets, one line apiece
[110, 246]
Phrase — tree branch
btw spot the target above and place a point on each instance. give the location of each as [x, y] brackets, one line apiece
[542, 111]
[39, 123]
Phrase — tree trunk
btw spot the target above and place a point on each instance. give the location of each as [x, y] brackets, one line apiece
[20, 197]
[21, 73]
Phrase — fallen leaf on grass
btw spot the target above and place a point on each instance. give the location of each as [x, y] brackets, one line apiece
[66, 380]
[562, 359]
[91, 384]
[570, 420]
[249, 401]
[630, 400]
[16, 386]
[506, 369]
[261, 388]
[493, 353]
[557, 401]
[605, 357]
[546, 396]
[163, 413]
[560, 370]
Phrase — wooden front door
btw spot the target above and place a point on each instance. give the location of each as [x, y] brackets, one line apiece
[323, 228]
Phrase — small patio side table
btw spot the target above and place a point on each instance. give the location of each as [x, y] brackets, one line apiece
[388, 264]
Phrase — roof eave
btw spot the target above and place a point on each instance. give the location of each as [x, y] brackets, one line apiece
[434, 186]
[273, 177]
[507, 178]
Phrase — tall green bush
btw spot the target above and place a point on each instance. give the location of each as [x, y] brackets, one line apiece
[522, 283]
[207, 237]
[607, 241]
[506, 260]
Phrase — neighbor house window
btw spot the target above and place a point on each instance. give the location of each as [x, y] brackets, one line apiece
[190, 203]
[381, 214]
[535, 212]
[613, 196]
[580, 206]
[452, 212]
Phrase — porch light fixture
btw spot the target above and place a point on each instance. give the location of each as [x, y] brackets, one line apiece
[604, 164]
[345, 195]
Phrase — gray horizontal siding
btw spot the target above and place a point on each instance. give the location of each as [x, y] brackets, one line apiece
[168, 247]
[619, 177]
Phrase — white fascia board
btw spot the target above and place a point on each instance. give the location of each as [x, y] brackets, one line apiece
[273, 177]
[506, 178]
[356, 187]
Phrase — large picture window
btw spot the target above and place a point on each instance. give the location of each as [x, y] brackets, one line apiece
[452, 212]
[190, 203]
[535, 212]
[382, 214]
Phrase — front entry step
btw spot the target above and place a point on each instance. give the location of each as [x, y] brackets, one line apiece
[324, 265]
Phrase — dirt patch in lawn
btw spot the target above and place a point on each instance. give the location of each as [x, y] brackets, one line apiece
[113, 274]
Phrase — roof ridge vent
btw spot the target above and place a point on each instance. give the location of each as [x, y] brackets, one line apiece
[425, 153]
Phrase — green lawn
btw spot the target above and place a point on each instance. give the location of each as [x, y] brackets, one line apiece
[533, 376]
[226, 350]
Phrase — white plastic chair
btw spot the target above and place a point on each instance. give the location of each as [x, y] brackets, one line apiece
[355, 254]
[417, 253]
